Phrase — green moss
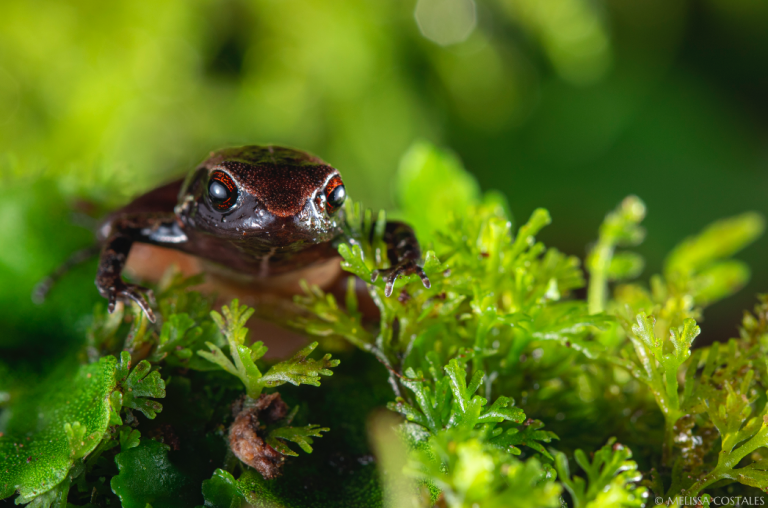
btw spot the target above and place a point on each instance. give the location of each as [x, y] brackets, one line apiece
[148, 477]
[64, 420]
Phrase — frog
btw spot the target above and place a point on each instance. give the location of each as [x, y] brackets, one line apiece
[250, 212]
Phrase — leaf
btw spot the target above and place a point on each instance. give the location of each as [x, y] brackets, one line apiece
[449, 402]
[719, 281]
[528, 434]
[129, 438]
[718, 241]
[79, 442]
[644, 331]
[139, 384]
[682, 340]
[115, 406]
[568, 322]
[354, 261]
[242, 365]
[621, 227]
[57, 496]
[50, 499]
[64, 419]
[754, 475]
[297, 370]
[147, 476]
[178, 332]
[432, 186]
[625, 265]
[470, 472]
[223, 491]
[611, 478]
[300, 369]
[328, 319]
[232, 324]
[363, 229]
[302, 436]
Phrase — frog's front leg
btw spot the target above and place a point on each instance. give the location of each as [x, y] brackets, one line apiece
[404, 253]
[120, 234]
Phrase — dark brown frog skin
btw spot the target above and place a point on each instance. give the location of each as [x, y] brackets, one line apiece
[251, 212]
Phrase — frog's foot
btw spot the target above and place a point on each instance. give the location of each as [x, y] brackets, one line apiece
[127, 292]
[403, 268]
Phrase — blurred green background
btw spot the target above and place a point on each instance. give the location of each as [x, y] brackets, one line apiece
[565, 104]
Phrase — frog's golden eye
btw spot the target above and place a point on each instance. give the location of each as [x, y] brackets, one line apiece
[222, 191]
[335, 194]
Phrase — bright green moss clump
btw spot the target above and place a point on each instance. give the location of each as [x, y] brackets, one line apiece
[514, 380]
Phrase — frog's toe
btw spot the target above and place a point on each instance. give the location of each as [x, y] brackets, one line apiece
[391, 278]
[143, 297]
[136, 293]
[424, 279]
[111, 301]
[406, 267]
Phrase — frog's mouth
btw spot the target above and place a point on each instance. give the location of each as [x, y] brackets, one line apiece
[292, 232]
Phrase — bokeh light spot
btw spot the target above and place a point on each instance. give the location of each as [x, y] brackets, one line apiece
[446, 22]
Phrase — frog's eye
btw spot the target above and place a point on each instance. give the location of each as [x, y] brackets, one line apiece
[335, 194]
[222, 191]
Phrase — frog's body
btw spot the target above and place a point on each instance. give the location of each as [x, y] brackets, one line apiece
[252, 212]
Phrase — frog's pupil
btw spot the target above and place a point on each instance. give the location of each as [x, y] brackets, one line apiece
[222, 191]
[337, 196]
[218, 191]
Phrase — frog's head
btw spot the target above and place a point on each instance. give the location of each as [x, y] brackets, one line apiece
[269, 195]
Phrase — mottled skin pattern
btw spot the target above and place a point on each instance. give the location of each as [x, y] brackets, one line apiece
[253, 211]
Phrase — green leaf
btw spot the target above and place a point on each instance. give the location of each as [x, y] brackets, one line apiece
[741, 434]
[242, 364]
[223, 491]
[178, 333]
[528, 434]
[470, 472]
[719, 281]
[297, 370]
[232, 324]
[115, 406]
[50, 499]
[328, 319]
[129, 438]
[718, 241]
[610, 478]
[621, 227]
[432, 185]
[302, 436]
[64, 419]
[79, 443]
[539, 219]
[139, 384]
[147, 476]
[354, 261]
[625, 265]
[57, 496]
[449, 402]
[300, 369]
[754, 475]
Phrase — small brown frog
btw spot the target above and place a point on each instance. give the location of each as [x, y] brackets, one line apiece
[251, 212]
